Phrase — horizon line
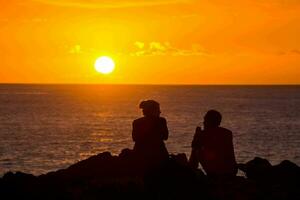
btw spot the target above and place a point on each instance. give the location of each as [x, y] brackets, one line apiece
[152, 84]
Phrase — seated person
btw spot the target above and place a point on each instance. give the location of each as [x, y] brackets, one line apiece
[213, 147]
[149, 133]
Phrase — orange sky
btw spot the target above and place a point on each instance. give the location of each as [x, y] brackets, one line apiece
[151, 41]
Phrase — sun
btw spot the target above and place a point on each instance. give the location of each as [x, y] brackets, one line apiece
[105, 65]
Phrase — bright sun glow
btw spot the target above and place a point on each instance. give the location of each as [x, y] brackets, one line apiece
[104, 65]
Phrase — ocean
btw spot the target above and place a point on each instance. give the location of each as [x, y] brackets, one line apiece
[49, 127]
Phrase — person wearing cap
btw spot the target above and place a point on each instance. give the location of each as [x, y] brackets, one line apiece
[149, 133]
[213, 148]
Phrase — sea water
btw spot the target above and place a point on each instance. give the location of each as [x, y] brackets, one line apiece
[49, 127]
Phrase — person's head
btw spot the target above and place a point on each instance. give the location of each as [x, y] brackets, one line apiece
[150, 108]
[212, 119]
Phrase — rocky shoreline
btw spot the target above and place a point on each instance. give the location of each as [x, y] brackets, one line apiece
[104, 176]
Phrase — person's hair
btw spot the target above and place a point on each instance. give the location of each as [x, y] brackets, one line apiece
[149, 107]
[213, 118]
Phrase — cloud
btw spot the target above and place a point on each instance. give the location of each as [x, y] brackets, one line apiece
[157, 48]
[295, 51]
[139, 45]
[290, 52]
[147, 49]
[93, 4]
[76, 49]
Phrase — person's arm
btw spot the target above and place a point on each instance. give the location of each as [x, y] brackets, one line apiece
[230, 153]
[233, 156]
[164, 130]
[194, 158]
[134, 132]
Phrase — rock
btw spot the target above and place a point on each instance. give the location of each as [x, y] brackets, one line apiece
[274, 182]
[105, 176]
[175, 180]
[17, 185]
[286, 171]
[258, 168]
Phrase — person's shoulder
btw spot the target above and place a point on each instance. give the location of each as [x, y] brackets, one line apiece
[139, 120]
[162, 119]
[225, 131]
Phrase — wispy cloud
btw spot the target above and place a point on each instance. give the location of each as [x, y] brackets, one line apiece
[93, 4]
[290, 52]
[75, 49]
[145, 49]
[157, 48]
[139, 45]
[295, 51]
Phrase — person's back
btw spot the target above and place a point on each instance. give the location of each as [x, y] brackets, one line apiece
[149, 133]
[213, 148]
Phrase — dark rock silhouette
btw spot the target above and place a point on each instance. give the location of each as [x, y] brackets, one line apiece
[105, 176]
[280, 181]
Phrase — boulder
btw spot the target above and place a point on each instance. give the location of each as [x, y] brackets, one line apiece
[105, 176]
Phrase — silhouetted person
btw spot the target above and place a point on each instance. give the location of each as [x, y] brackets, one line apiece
[149, 133]
[213, 147]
